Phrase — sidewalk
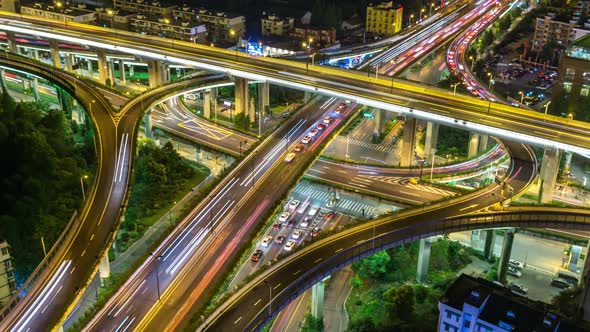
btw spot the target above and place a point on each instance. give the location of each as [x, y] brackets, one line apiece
[336, 294]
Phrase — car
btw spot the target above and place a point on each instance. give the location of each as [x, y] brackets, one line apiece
[329, 216]
[289, 158]
[257, 255]
[327, 119]
[306, 140]
[266, 241]
[294, 204]
[342, 105]
[514, 272]
[286, 114]
[312, 132]
[515, 264]
[560, 283]
[276, 226]
[321, 126]
[337, 111]
[296, 234]
[315, 231]
[284, 216]
[280, 239]
[313, 210]
[290, 244]
[519, 289]
[299, 148]
[291, 223]
[304, 223]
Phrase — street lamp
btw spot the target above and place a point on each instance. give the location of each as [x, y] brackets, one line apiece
[491, 81]
[433, 153]
[547, 107]
[59, 5]
[232, 33]
[157, 272]
[393, 62]
[270, 297]
[472, 62]
[430, 12]
[171, 29]
[570, 116]
[455, 87]
[411, 18]
[82, 178]
[421, 12]
[521, 96]
[90, 106]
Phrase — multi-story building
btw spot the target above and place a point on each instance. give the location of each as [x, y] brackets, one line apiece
[7, 281]
[549, 28]
[273, 25]
[114, 18]
[145, 7]
[477, 305]
[221, 26]
[59, 11]
[573, 73]
[316, 37]
[9, 5]
[170, 28]
[384, 18]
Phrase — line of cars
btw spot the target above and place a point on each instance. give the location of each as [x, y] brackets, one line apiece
[292, 226]
[563, 278]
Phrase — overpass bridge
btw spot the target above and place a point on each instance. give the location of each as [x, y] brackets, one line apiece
[413, 100]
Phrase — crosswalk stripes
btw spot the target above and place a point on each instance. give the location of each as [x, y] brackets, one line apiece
[377, 147]
[402, 181]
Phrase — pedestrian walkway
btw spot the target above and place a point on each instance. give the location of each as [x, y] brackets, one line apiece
[336, 294]
[348, 204]
[405, 181]
[376, 147]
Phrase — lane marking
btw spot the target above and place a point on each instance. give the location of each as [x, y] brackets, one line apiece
[237, 320]
[469, 207]
[255, 304]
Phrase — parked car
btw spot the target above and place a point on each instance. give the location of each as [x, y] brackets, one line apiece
[516, 264]
[519, 289]
[514, 272]
[560, 283]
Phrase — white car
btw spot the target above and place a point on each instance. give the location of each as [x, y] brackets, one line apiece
[306, 140]
[312, 132]
[327, 119]
[290, 244]
[296, 234]
[294, 204]
[304, 223]
[284, 216]
[314, 209]
[289, 158]
[516, 264]
[266, 241]
[514, 272]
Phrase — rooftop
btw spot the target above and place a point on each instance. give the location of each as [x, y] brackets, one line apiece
[59, 7]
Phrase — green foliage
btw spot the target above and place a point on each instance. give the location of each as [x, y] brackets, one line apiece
[312, 324]
[487, 38]
[374, 266]
[399, 302]
[40, 177]
[452, 141]
[356, 282]
[567, 301]
[242, 121]
[504, 23]
[280, 95]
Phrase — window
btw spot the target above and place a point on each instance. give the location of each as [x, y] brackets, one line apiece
[567, 87]
[569, 74]
[584, 91]
[4, 251]
[449, 328]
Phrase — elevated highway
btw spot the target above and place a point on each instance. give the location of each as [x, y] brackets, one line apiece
[407, 98]
[85, 241]
[250, 308]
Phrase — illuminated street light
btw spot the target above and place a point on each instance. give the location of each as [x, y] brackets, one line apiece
[472, 61]
[547, 107]
[521, 96]
[421, 12]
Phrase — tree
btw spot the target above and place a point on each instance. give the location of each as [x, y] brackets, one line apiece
[504, 23]
[373, 266]
[567, 301]
[364, 324]
[400, 303]
[312, 324]
[356, 283]
[242, 121]
[487, 39]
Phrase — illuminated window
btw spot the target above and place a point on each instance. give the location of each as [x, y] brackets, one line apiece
[567, 87]
[569, 74]
[585, 90]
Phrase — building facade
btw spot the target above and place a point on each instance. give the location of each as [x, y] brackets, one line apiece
[384, 18]
[59, 11]
[549, 29]
[477, 305]
[273, 25]
[7, 280]
[144, 7]
[319, 37]
[221, 26]
[169, 28]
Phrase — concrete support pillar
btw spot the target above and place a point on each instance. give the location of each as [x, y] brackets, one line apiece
[11, 40]
[252, 110]
[111, 67]
[122, 72]
[35, 88]
[103, 67]
[377, 126]
[431, 139]
[55, 57]
[505, 257]
[488, 249]
[306, 96]
[147, 122]
[165, 70]
[207, 104]
[548, 174]
[154, 73]
[473, 145]
[131, 70]
[178, 72]
[423, 259]
[408, 143]
[104, 270]
[241, 95]
[3, 80]
[89, 66]
[317, 299]
[567, 162]
[263, 96]
[69, 62]
[483, 143]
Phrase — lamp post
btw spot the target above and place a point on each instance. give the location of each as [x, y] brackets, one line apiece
[491, 81]
[270, 297]
[82, 178]
[472, 62]
[171, 29]
[245, 142]
[376, 70]
[547, 107]
[455, 88]
[521, 93]
[430, 12]
[157, 273]
[411, 18]
[232, 32]
[59, 5]
[421, 12]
